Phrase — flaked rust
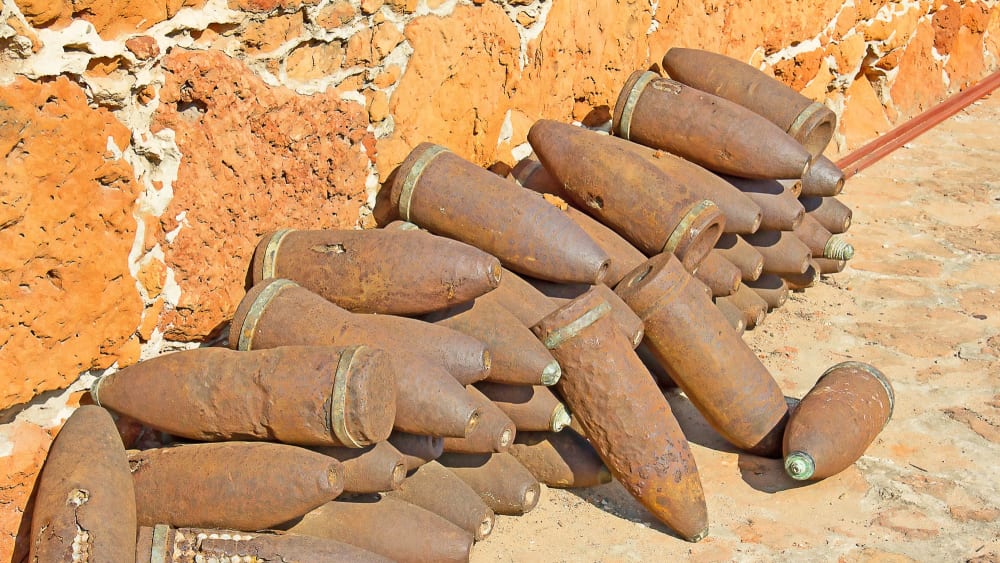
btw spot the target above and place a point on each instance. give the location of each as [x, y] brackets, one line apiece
[740, 254]
[837, 420]
[455, 198]
[373, 469]
[435, 488]
[560, 459]
[783, 252]
[494, 431]
[720, 374]
[529, 407]
[624, 414]
[705, 129]
[499, 479]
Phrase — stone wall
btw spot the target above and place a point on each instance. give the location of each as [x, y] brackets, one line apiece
[147, 144]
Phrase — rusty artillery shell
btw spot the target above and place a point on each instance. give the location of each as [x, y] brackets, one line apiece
[430, 401]
[733, 315]
[238, 485]
[624, 256]
[829, 211]
[837, 420]
[781, 210]
[517, 356]
[282, 313]
[705, 129]
[823, 178]
[529, 407]
[378, 270]
[771, 288]
[564, 460]
[808, 278]
[629, 323]
[810, 123]
[417, 449]
[623, 413]
[821, 243]
[719, 274]
[308, 395]
[389, 527]
[435, 488]
[519, 297]
[373, 469]
[529, 173]
[448, 195]
[493, 433]
[753, 306]
[163, 544]
[829, 266]
[783, 252]
[739, 253]
[85, 504]
[720, 374]
[499, 479]
[793, 185]
[607, 179]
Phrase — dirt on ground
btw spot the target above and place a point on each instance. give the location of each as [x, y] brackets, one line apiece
[919, 301]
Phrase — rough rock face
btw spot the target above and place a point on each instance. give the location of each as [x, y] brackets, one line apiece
[255, 158]
[110, 17]
[67, 299]
[19, 467]
[920, 79]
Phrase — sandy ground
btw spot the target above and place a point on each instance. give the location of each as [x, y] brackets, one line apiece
[919, 301]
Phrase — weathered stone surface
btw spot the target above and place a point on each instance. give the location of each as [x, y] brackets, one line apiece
[456, 87]
[799, 70]
[45, 13]
[992, 41]
[25, 446]
[66, 228]
[946, 21]
[966, 65]
[268, 35]
[848, 53]
[919, 82]
[255, 158]
[863, 118]
[314, 60]
[269, 5]
[335, 14]
[143, 47]
[112, 18]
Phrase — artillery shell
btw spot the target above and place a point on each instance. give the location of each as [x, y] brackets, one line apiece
[753, 306]
[828, 266]
[837, 420]
[810, 123]
[238, 485]
[308, 395]
[718, 274]
[494, 432]
[624, 256]
[450, 196]
[417, 449]
[821, 242]
[517, 356]
[783, 252]
[564, 460]
[369, 470]
[520, 298]
[85, 505]
[829, 211]
[435, 488]
[781, 210]
[623, 413]
[530, 173]
[771, 288]
[629, 323]
[705, 129]
[387, 526]
[733, 315]
[809, 278]
[793, 185]
[529, 407]
[824, 178]
[431, 402]
[378, 270]
[499, 479]
[739, 253]
[163, 544]
[720, 374]
[606, 178]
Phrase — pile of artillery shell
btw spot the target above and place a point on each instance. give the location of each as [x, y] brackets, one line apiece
[387, 392]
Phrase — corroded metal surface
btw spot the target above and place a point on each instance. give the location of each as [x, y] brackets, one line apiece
[378, 270]
[780, 209]
[163, 544]
[808, 278]
[493, 433]
[390, 527]
[529, 407]
[828, 266]
[705, 129]
[626, 319]
[720, 374]
[733, 315]
[560, 459]
[520, 298]
[740, 254]
[238, 485]
[282, 313]
[754, 307]
[309, 395]
[829, 211]
[499, 479]
[435, 488]
[823, 178]
[771, 288]
[810, 123]
[448, 195]
[821, 242]
[623, 255]
[608, 180]
[837, 420]
[373, 469]
[417, 449]
[783, 252]
[719, 274]
[624, 414]
[85, 504]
